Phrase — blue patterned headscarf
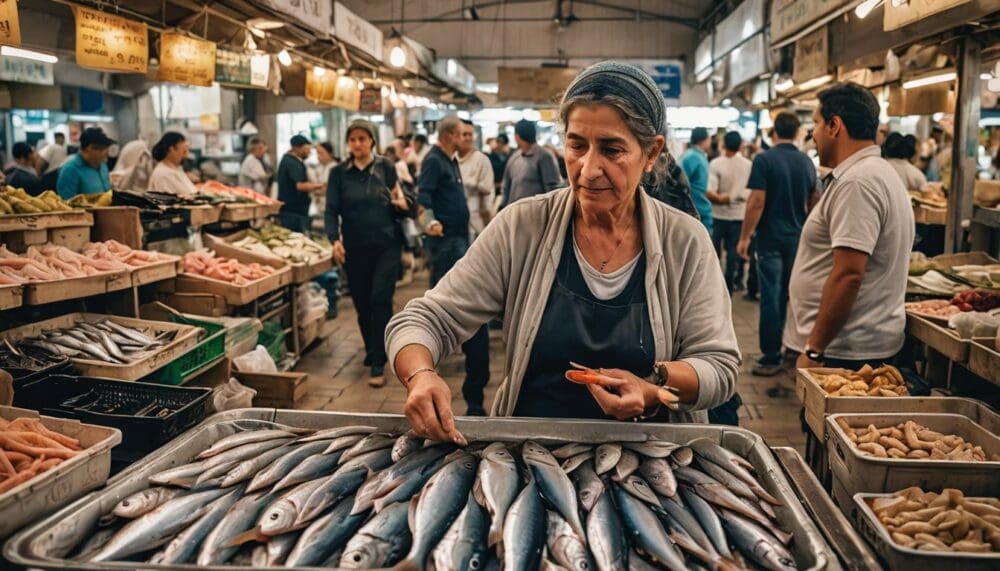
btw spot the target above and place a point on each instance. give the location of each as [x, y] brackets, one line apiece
[627, 82]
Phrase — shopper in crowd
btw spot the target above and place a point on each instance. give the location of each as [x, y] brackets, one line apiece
[499, 154]
[530, 170]
[86, 172]
[477, 177]
[560, 161]
[22, 172]
[899, 151]
[728, 175]
[255, 173]
[694, 161]
[668, 184]
[783, 188]
[53, 155]
[418, 150]
[327, 161]
[849, 282]
[882, 134]
[294, 188]
[134, 167]
[402, 169]
[363, 205]
[169, 176]
[446, 223]
[598, 273]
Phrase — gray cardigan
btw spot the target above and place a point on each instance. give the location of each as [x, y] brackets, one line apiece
[510, 270]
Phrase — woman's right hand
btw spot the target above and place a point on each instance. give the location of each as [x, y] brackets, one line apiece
[428, 408]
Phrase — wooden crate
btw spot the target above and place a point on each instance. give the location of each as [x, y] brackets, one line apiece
[941, 338]
[206, 304]
[923, 214]
[40, 293]
[211, 376]
[818, 405]
[11, 296]
[265, 210]
[302, 273]
[984, 360]
[186, 338]
[204, 214]
[234, 294]
[121, 223]
[275, 390]
[309, 332]
[238, 212]
[45, 220]
[157, 271]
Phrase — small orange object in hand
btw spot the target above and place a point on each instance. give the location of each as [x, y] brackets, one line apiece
[584, 377]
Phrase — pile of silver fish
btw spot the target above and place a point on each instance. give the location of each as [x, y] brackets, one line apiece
[353, 498]
[104, 341]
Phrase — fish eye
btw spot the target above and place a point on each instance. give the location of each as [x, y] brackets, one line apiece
[274, 516]
[583, 566]
[357, 558]
[474, 562]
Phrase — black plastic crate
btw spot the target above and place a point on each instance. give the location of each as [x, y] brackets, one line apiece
[108, 402]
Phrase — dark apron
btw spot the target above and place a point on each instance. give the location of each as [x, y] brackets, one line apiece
[576, 326]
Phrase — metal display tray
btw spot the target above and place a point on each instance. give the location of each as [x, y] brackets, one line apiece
[898, 557]
[857, 472]
[45, 544]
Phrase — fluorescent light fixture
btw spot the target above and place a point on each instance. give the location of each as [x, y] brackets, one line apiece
[784, 85]
[865, 8]
[929, 80]
[28, 54]
[284, 58]
[397, 56]
[815, 82]
[319, 71]
[90, 118]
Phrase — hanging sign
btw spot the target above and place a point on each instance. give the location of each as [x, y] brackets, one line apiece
[371, 100]
[356, 31]
[260, 70]
[791, 16]
[321, 88]
[812, 56]
[314, 14]
[745, 21]
[667, 74]
[703, 58]
[186, 60]
[900, 14]
[347, 96]
[241, 69]
[110, 43]
[534, 84]
[10, 24]
[23, 70]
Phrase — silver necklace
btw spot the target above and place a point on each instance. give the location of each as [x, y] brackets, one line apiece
[618, 244]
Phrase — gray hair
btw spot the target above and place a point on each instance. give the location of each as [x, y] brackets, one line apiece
[449, 124]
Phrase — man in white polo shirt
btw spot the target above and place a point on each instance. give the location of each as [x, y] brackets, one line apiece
[728, 175]
[848, 282]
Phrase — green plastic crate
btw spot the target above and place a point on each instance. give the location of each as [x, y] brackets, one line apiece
[272, 337]
[208, 351]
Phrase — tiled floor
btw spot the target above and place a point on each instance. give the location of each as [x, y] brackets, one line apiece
[338, 377]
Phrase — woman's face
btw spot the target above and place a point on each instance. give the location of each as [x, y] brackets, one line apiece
[604, 161]
[359, 142]
[178, 152]
[323, 156]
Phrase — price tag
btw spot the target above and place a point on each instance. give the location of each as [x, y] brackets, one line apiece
[10, 25]
[110, 43]
[186, 60]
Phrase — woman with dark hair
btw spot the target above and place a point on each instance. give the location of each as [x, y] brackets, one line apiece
[598, 273]
[169, 176]
[899, 151]
[324, 152]
[364, 199]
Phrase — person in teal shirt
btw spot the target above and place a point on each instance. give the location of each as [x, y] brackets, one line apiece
[87, 171]
[694, 161]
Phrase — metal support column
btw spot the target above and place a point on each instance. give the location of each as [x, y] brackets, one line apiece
[965, 144]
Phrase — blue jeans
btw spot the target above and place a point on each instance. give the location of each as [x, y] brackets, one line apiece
[445, 252]
[725, 236]
[774, 270]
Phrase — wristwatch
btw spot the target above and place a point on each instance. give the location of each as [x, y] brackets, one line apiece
[660, 375]
[816, 356]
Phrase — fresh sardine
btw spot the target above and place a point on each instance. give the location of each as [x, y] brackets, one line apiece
[405, 445]
[240, 517]
[652, 448]
[588, 485]
[326, 535]
[646, 531]
[184, 547]
[688, 517]
[368, 444]
[282, 466]
[144, 501]
[565, 546]
[574, 462]
[311, 468]
[626, 466]
[607, 456]
[342, 443]
[496, 487]
[659, 475]
[249, 468]
[726, 478]
[734, 464]
[524, 531]
[393, 476]
[756, 543]
[464, 546]
[638, 487]
[241, 439]
[332, 433]
[381, 542]
[274, 552]
[606, 535]
[330, 491]
[554, 484]
[572, 449]
[438, 505]
[716, 493]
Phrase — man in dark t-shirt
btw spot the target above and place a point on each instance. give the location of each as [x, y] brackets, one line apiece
[294, 188]
[783, 189]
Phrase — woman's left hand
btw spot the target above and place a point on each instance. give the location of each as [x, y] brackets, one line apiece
[622, 394]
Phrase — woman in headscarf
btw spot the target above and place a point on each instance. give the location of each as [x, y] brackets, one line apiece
[598, 274]
[134, 167]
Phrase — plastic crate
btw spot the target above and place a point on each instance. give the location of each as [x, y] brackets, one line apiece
[207, 351]
[273, 339]
[85, 398]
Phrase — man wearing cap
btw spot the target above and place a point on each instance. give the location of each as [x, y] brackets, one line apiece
[87, 172]
[22, 173]
[294, 187]
[694, 161]
[531, 170]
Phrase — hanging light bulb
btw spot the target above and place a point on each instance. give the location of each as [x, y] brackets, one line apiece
[319, 71]
[284, 58]
[397, 56]
[361, 85]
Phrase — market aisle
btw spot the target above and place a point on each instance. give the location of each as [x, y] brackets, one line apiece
[338, 378]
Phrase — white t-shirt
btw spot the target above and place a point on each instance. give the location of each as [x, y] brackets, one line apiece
[912, 178]
[865, 208]
[170, 179]
[253, 175]
[477, 177]
[54, 155]
[729, 176]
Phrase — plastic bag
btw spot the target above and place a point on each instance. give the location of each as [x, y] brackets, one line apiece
[975, 324]
[232, 395]
[256, 361]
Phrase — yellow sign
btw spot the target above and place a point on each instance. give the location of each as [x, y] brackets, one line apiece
[347, 96]
[186, 60]
[110, 43]
[10, 25]
[909, 12]
[321, 88]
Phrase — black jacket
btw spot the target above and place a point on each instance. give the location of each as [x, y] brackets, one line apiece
[673, 189]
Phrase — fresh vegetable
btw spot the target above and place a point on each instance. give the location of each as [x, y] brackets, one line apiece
[28, 448]
[17, 201]
[976, 300]
[96, 200]
[273, 240]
